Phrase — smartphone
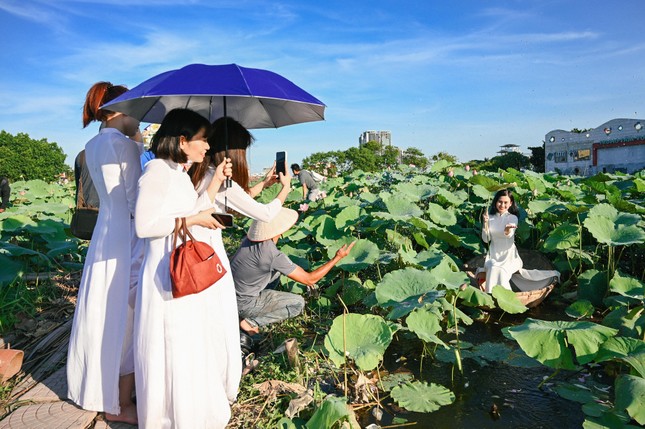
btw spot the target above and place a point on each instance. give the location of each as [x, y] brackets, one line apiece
[224, 219]
[280, 163]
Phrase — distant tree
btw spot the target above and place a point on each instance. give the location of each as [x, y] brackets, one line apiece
[328, 163]
[414, 156]
[390, 157]
[363, 158]
[508, 160]
[23, 158]
[537, 158]
[444, 155]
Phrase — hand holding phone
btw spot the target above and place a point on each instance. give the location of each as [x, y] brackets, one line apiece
[224, 219]
[280, 163]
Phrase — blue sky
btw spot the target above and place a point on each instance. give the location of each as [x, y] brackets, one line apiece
[463, 77]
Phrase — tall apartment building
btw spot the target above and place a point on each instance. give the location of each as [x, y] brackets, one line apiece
[383, 137]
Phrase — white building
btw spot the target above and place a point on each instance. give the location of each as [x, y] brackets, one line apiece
[383, 137]
[617, 145]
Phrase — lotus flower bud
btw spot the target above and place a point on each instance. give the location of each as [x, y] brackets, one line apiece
[475, 172]
[451, 173]
[467, 167]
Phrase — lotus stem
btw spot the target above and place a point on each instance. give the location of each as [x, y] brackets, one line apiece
[548, 378]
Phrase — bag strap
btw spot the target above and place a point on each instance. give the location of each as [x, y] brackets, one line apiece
[176, 233]
[80, 200]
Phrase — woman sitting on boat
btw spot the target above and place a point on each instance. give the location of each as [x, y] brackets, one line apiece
[503, 261]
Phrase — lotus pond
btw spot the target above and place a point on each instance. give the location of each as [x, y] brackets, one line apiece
[395, 334]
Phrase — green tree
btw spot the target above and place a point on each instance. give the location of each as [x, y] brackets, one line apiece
[328, 163]
[537, 158]
[363, 158]
[511, 159]
[444, 155]
[390, 157]
[414, 156]
[23, 158]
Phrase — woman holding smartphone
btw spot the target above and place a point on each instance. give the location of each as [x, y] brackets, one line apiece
[180, 344]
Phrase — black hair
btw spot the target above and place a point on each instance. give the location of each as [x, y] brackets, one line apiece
[512, 209]
[295, 167]
[177, 123]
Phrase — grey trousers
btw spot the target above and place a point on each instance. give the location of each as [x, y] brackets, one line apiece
[270, 306]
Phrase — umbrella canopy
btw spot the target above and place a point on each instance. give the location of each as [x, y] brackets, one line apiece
[254, 97]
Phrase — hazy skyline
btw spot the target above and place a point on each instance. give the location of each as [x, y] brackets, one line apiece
[461, 77]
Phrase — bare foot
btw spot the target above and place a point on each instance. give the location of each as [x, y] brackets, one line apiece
[246, 327]
[128, 415]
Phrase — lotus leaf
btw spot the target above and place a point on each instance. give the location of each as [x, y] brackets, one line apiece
[507, 300]
[440, 165]
[541, 206]
[440, 215]
[422, 397]
[399, 208]
[481, 192]
[474, 297]
[390, 381]
[347, 217]
[547, 341]
[15, 223]
[592, 286]
[353, 290]
[326, 232]
[630, 396]
[629, 350]
[628, 322]
[610, 227]
[486, 182]
[425, 323]
[454, 198]
[363, 254]
[368, 197]
[407, 288]
[430, 258]
[333, 411]
[563, 237]
[9, 269]
[627, 286]
[535, 182]
[580, 309]
[361, 337]
[448, 274]
[577, 393]
[444, 235]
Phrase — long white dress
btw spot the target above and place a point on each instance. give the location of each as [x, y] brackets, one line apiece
[237, 199]
[100, 345]
[503, 261]
[181, 346]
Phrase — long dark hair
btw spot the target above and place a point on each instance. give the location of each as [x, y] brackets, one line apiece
[512, 209]
[239, 139]
[177, 123]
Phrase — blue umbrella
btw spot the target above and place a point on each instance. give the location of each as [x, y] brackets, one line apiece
[254, 97]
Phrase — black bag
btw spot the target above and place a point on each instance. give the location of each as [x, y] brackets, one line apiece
[83, 222]
[84, 217]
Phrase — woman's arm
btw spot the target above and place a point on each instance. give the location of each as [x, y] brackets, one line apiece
[269, 179]
[131, 172]
[238, 200]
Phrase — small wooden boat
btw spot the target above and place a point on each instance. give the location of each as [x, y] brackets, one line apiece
[532, 260]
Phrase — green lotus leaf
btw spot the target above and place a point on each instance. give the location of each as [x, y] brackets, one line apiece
[592, 286]
[360, 337]
[608, 226]
[444, 235]
[406, 289]
[548, 341]
[535, 183]
[331, 413]
[627, 286]
[10, 269]
[298, 256]
[474, 297]
[368, 197]
[440, 165]
[16, 222]
[422, 397]
[508, 301]
[572, 392]
[563, 237]
[440, 215]
[541, 206]
[430, 258]
[485, 182]
[326, 232]
[580, 309]
[353, 290]
[454, 198]
[391, 380]
[448, 274]
[347, 217]
[629, 350]
[426, 323]
[630, 396]
[399, 207]
[415, 192]
[363, 254]
[481, 192]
